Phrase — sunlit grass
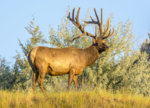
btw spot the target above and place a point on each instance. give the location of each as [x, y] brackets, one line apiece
[72, 99]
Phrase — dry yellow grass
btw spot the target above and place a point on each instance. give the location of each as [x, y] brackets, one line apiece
[72, 99]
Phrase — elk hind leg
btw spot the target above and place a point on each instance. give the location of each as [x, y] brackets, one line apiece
[34, 79]
[40, 81]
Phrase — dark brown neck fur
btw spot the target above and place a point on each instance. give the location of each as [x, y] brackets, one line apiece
[91, 55]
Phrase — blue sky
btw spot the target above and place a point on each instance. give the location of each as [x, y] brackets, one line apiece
[16, 14]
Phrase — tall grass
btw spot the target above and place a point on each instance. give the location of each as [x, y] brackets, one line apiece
[72, 99]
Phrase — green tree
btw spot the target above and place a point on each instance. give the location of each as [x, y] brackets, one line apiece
[22, 69]
[119, 68]
[6, 76]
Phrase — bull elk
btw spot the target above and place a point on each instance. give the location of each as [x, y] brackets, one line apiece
[69, 60]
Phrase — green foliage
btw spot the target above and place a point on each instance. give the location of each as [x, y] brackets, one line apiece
[22, 74]
[6, 76]
[120, 68]
[36, 38]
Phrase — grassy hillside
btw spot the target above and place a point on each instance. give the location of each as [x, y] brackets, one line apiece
[72, 99]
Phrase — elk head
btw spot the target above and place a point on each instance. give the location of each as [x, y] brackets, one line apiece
[100, 38]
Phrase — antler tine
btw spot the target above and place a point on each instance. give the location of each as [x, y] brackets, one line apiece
[91, 22]
[101, 15]
[107, 29]
[108, 25]
[78, 25]
[77, 37]
[73, 14]
[98, 22]
[95, 30]
[84, 32]
[101, 24]
[77, 18]
[91, 18]
[109, 34]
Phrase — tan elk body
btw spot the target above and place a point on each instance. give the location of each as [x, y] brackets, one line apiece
[69, 60]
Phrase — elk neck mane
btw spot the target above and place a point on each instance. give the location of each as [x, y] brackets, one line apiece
[91, 55]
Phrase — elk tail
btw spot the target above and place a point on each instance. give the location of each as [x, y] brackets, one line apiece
[31, 57]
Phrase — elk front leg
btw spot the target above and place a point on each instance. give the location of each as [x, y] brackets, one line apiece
[75, 79]
[71, 75]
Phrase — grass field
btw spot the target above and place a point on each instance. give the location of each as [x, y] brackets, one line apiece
[72, 99]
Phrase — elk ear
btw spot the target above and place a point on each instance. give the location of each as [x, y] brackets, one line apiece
[104, 41]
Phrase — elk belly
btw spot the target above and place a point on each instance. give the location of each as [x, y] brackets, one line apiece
[58, 69]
